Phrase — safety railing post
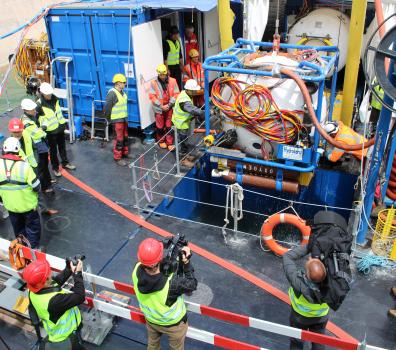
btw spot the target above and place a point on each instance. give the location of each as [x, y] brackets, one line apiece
[134, 187]
[177, 151]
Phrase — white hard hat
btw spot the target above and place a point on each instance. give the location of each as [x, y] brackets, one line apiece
[192, 84]
[331, 127]
[28, 105]
[11, 145]
[46, 89]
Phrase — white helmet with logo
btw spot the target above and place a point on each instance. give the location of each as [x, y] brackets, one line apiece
[11, 145]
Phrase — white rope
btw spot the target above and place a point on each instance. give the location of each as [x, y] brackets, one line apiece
[200, 202]
[235, 197]
[206, 224]
[258, 193]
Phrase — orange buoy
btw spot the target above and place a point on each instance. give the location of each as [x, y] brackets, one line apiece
[283, 218]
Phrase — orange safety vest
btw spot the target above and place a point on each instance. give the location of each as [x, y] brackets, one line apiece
[159, 97]
[194, 71]
[347, 136]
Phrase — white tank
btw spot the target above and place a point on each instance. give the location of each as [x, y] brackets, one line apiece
[321, 27]
[287, 96]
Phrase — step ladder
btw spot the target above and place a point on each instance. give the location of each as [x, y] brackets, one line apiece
[99, 123]
[65, 94]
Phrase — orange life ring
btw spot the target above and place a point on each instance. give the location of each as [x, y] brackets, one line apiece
[283, 218]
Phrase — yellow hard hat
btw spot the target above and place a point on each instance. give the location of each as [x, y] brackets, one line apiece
[161, 69]
[119, 78]
[193, 53]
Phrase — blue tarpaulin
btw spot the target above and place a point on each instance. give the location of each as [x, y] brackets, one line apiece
[201, 5]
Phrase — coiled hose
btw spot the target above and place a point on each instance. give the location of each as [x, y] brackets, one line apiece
[265, 120]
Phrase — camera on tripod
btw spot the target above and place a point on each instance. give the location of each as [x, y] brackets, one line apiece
[171, 262]
[74, 260]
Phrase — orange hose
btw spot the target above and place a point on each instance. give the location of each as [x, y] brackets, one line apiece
[322, 132]
[200, 251]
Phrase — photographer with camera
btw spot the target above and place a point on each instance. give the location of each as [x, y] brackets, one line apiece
[54, 306]
[159, 286]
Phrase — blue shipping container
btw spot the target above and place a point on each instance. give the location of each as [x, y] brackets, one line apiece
[98, 39]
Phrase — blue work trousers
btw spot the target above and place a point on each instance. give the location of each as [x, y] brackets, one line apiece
[27, 224]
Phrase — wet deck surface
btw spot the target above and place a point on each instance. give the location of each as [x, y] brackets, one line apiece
[109, 241]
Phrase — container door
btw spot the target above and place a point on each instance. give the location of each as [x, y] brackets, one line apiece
[115, 54]
[147, 46]
[211, 36]
[70, 36]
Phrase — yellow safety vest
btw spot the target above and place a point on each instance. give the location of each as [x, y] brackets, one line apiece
[17, 180]
[153, 304]
[120, 109]
[36, 133]
[173, 58]
[65, 325]
[180, 118]
[374, 101]
[50, 118]
[28, 155]
[303, 307]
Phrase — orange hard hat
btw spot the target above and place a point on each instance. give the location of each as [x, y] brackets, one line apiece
[150, 252]
[15, 125]
[35, 274]
[193, 53]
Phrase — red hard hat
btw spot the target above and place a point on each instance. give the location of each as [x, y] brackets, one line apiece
[35, 274]
[15, 125]
[150, 252]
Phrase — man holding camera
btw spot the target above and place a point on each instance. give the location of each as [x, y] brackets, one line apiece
[161, 297]
[54, 306]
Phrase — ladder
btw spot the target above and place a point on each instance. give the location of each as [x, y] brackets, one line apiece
[65, 94]
[103, 123]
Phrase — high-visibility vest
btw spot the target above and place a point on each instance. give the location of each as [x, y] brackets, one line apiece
[50, 118]
[36, 133]
[173, 58]
[153, 304]
[159, 97]
[28, 154]
[303, 307]
[17, 180]
[347, 136]
[194, 71]
[65, 325]
[180, 118]
[120, 109]
[374, 101]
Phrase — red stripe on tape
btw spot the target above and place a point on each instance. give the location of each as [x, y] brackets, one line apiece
[330, 341]
[89, 302]
[137, 317]
[123, 287]
[225, 315]
[228, 343]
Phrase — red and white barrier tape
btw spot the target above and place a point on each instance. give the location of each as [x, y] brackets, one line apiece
[59, 264]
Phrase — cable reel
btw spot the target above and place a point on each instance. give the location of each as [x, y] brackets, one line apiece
[381, 53]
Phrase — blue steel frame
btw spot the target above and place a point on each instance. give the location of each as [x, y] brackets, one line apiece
[376, 160]
[228, 62]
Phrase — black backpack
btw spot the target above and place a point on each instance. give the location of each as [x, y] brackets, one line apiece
[332, 244]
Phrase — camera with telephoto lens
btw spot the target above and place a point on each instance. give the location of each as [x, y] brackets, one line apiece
[172, 260]
[74, 260]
